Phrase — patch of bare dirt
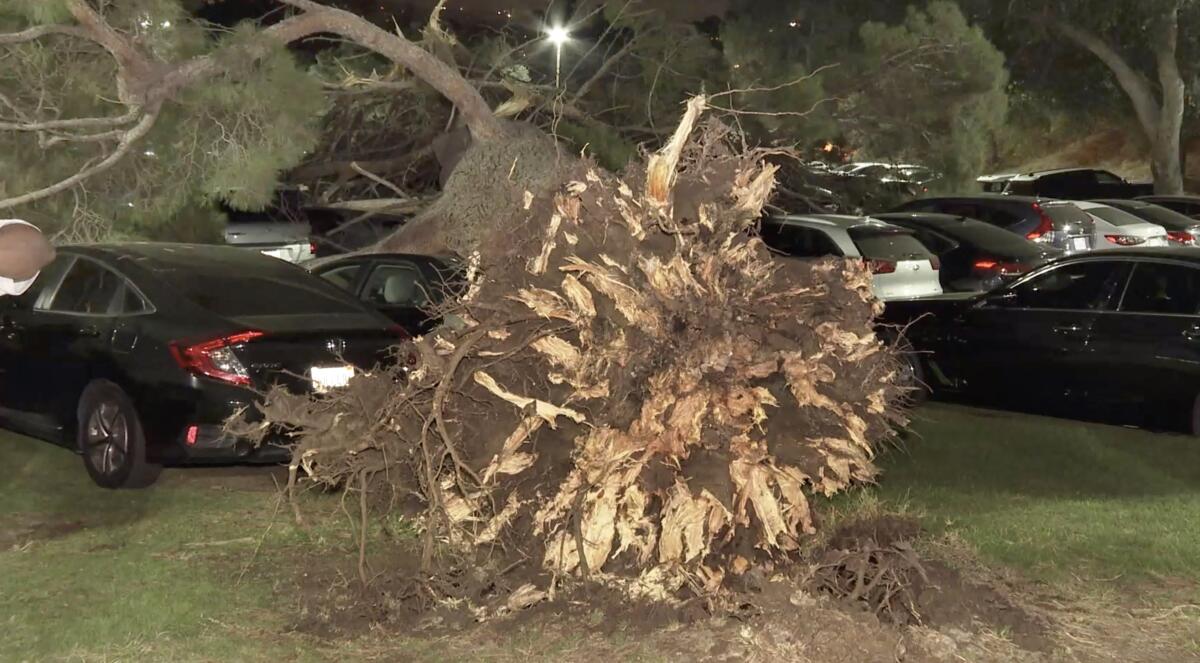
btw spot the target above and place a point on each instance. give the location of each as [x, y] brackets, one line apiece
[239, 478]
[16, 533]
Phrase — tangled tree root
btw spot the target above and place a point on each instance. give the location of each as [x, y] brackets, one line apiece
[885, 579]
[638, 391]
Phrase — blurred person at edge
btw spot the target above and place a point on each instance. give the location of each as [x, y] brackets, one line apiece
[24, 251]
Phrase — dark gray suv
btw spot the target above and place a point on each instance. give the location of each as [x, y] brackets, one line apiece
[1054, 223]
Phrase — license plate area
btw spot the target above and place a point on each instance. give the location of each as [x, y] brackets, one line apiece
[1079, 244]
[328, 378]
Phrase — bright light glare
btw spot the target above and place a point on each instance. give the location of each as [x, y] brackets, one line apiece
[558, 35]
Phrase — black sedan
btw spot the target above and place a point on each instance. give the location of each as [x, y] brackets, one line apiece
[405, 287]
[135, 355]
[975, 256]
[1117, 333]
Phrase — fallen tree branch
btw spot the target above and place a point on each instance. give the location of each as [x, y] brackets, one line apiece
[377, 179]
[135, 133]
[73, 123]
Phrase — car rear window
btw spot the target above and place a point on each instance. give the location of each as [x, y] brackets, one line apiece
[994, 240]
[1169, 219]
[1116, 216]
[1066, 213]
[236, 295]
[888, 244]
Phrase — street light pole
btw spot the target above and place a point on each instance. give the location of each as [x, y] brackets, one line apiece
[559, 36]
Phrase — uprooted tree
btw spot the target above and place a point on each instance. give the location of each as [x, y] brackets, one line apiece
[635, 386]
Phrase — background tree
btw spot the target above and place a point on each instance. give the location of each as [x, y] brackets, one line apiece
[893, 82]
[1143, 48]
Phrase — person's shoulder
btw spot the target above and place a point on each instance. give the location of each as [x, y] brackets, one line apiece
[6, 223]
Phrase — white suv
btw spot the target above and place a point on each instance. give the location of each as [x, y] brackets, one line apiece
[901, 266]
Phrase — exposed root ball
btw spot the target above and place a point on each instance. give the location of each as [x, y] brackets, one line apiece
[639, 387]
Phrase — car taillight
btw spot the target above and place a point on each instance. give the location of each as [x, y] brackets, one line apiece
[1181, 237]
[1000, 267]
[312, 248]
[1124, 240]
[1045, 225]
[880, 266]
[935, 263]
[215, 358]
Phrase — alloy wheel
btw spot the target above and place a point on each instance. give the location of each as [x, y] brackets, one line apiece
[108, 438]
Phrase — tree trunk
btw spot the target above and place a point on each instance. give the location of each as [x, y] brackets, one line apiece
[1161, 120]
[1165, 160]
[1166, 164]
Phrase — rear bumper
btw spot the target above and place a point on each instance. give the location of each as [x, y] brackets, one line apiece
[211, 444]
[184, 424]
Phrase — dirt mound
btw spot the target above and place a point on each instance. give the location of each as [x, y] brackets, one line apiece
[776, 617]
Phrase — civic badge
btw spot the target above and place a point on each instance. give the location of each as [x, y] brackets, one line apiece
[336, 345]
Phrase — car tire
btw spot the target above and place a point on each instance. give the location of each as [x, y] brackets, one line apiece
[111, 439]
[912, 371]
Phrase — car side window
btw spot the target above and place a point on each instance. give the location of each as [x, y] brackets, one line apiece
[1105, 177]
[1162, 288]
[396, 285]
[798, 241]
[1082, 286]
[343, 277]
[87, 288]
[129, 302]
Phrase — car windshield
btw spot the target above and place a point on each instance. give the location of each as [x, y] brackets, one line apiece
[1115, 216]
[993, 239]
[888, 244]
[235, 295]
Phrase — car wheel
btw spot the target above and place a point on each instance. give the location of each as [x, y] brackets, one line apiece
[111, 439]
[912, 372]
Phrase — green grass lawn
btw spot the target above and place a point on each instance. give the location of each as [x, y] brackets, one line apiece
[92, 574]
[1052, 498]
[172, 573]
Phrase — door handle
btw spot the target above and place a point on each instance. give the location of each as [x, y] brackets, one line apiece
[1070, 330]
[1192, 334]
[89, 332]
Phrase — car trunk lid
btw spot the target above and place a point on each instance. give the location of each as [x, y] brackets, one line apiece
[291, 347]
